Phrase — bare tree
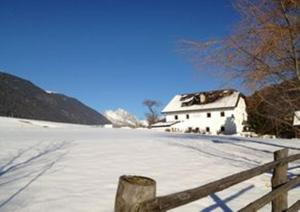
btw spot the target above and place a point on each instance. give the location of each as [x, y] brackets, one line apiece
[262, 50]
[264, 46]
[153, 114]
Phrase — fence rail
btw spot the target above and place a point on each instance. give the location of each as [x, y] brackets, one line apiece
[139, 202]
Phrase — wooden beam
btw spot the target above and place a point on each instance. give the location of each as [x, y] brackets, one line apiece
[133, 190]
[294, 208]
[259, 203]
[181, 198]
[279, 178]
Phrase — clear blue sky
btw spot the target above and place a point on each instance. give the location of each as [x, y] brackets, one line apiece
[110, 53]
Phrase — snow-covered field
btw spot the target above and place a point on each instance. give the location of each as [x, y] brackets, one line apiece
[48, 166]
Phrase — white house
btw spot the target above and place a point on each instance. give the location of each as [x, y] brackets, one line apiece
[211, 112]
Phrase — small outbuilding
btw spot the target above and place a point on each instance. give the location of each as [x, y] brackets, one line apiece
[296, 123]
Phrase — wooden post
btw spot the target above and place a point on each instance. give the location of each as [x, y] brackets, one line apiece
[280, 177]
[133, 190]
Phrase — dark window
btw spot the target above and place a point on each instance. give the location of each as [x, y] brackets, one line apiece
[222, 129]
[176, 117]
[187, 116]
[207, 129]
[208, 115]
[222, 113]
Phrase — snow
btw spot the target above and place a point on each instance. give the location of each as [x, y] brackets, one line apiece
[164, 124]
[50, 92]
[47, 166]
[226, 102]
[121, 117]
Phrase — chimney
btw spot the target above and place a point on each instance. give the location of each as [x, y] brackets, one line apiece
[202, 98]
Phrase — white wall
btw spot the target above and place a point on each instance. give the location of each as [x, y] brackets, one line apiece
[232, 121]
[240, 114]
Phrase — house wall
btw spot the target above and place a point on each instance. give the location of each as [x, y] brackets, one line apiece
[232, 120]
[240, 114]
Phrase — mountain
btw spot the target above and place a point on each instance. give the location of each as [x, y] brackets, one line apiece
[122, 118]
[21, 98]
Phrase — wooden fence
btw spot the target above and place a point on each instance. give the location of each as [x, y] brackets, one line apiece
[138, 194]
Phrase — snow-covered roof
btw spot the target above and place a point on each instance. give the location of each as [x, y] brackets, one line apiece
[50, 92]
[164, 124]
[203, 101]
[297, 118]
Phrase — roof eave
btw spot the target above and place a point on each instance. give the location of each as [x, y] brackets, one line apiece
[195, 110]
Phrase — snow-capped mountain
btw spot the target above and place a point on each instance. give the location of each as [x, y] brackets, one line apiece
[122, 118]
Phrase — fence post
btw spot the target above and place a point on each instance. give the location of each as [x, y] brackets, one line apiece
[280, 177]
[133, 190]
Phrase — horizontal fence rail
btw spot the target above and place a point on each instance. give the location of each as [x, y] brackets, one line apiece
[259, 203]
[167, 202]
[295, 207]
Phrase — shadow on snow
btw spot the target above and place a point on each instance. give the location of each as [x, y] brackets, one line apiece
[29, 165]
[219, 203]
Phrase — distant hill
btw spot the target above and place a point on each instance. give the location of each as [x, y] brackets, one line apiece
[21, 98]
[122, 118]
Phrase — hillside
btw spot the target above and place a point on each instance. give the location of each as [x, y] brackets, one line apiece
[21, 98]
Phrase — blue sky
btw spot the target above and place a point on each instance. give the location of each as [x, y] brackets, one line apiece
[110, 53]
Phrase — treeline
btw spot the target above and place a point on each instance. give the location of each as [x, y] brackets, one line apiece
[271, 109]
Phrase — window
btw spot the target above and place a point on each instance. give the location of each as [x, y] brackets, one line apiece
[207, 129]
[187, 116]
[222, 114]
[176, 117]
[208, 115]
[222, 129]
